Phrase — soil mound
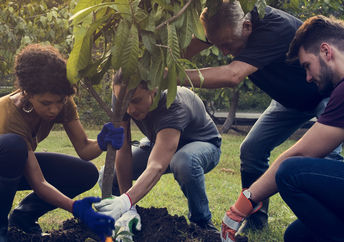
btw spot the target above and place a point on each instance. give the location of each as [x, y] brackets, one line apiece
[157, 225]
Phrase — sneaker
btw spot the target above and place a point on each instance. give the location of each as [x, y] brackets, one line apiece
[254, 222]
[209, 226]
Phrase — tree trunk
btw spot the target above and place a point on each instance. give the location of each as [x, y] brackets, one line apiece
[233, 104]
[119, 110]
[116, 115]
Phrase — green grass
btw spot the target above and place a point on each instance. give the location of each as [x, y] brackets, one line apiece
[222, 187]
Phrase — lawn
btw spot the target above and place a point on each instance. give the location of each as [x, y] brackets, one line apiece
[223, 187]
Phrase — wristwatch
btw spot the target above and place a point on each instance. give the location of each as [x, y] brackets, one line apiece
[248, 195]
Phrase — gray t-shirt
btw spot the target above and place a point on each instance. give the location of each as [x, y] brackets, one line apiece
[186, 114]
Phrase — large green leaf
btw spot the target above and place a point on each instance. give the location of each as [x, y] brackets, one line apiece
[157, 67]
[123, 7]
[143, 66]
[261, 5]
[80, 56]
[130, 53]
[247, 5]
[80, 15]
[148, 40]
[172, 84]
[180, 20]
[82, 4]
[173, 52]
[197, 25]
[121, 38]
[148, 24]
[186, 31]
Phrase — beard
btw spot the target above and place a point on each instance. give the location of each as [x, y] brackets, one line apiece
[325, 79]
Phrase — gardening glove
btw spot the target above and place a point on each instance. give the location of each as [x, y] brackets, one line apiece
[114, 206]
[129, 222]
[110, 135]
[101, 224]
[235, 216]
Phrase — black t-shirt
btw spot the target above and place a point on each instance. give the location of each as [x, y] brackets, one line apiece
[186, 114]
[266, 49]
[334, 111]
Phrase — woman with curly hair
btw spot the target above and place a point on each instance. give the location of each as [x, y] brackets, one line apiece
[27, 115]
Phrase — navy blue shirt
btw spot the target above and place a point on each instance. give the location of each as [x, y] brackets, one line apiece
[266, 49]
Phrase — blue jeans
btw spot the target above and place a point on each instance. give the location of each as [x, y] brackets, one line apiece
[188, 165]
[273, 127]
[313, 189]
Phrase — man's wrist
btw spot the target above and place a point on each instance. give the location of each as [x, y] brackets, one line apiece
[127, 201]
[248, 195]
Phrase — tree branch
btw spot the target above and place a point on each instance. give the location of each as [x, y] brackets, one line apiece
[173, 18]
[100, 101]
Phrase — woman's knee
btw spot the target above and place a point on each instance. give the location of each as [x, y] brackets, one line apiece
[14, 144]
[13, 153]
[92, 173]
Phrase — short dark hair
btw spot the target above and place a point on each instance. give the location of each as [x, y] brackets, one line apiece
[313, 32]
[40, 69]
[118, 78]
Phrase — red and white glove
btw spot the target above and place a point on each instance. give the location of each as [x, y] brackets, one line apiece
[236, 214]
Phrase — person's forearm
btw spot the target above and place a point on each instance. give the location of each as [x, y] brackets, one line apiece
[52, 195]
[145, 183]
[214, 77]
[266, 186]
[90, 150]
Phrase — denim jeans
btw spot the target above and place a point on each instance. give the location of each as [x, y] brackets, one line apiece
[273, 127]
[313, 189]
[188, 165]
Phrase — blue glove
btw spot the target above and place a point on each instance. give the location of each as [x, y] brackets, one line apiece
[110, 135]
[101, 224]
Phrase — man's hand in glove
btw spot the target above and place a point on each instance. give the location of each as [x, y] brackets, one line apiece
[114, 206]
[101, 224]
[129, 222]
[235, 216]
[110, 135]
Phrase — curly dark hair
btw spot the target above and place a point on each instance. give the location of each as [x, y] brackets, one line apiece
[40, 69]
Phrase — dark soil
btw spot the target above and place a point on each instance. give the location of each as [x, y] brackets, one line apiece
[157, 225]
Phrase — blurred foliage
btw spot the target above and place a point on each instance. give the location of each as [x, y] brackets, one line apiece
[32, 21]
[304, 9]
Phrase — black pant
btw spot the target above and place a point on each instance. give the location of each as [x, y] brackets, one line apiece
[70, 175]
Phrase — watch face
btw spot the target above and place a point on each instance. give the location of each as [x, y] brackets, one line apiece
[247, 194]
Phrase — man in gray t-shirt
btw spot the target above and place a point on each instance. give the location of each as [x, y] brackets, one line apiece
[181, 139]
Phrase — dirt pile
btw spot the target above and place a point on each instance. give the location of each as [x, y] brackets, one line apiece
[157, 225]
